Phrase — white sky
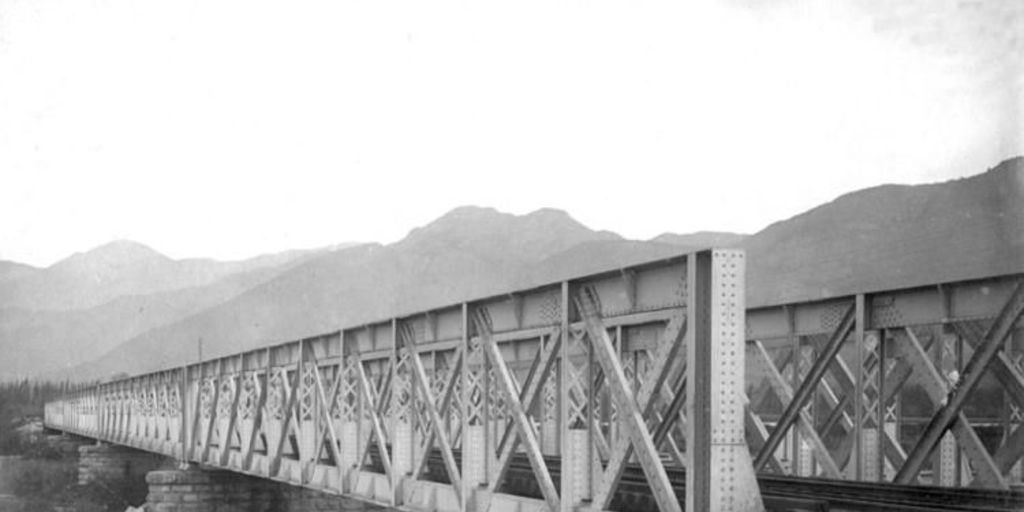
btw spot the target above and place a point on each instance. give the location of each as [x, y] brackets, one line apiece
[230, 128]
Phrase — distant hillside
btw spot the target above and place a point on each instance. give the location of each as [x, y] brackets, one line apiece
[893, 236]
[50, 339]
[879, 238]
[46, 341]
[702, 239]
[469, 252]
[13, 270]
[592, 257]
[117, 269]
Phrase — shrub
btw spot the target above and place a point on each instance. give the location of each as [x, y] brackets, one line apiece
[37, 478]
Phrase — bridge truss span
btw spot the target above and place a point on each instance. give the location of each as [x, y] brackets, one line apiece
[591, 370]
[917, 386]
[564, 396]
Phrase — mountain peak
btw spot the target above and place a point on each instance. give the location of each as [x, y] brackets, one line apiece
[486, 230]
[550, 214]
[125, 247]
[117, 253]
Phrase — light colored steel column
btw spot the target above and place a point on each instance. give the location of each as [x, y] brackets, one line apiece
[1014, 413]
[860, 324]
[563, 403]
[720, 474]
[947, 470]
[397, 466]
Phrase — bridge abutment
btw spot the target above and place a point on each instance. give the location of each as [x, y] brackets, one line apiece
[107, 463]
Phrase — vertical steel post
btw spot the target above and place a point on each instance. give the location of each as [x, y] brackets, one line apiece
[698, 389]
[595, 420]
[858, 397]
[719, 472]
[183, 434]
[467, 480]
[563, 401]
[794, 364]
[392, 417]
[881, 406]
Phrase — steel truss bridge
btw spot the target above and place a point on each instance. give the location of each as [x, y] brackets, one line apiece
[655, 376]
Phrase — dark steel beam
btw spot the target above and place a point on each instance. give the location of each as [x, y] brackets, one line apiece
[810, 383]
[983, 355]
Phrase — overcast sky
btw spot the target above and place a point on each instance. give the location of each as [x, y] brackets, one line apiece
[230, 128]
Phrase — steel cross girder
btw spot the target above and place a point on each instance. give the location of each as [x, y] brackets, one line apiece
[257, 420]
[846, 380]
[806, 390]
[511, 395]
[225, 443]
[443, 404]
[632, 409]
[1008, 374]
[325, 413]
[785, 393]
[528, 396]
[375, 423]
[969, 379]
[437, 430]
[931, 380]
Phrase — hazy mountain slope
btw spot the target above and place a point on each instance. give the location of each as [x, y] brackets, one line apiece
[701, 239]
[893, 236]
[116, 269]
[13, 270]
[879, 238]
[592, 257]
[469, 252]
[43, 341]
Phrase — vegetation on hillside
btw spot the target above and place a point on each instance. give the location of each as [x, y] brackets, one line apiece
[43, 472]
[21, 404]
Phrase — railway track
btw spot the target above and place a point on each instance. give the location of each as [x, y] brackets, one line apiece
[780, 493]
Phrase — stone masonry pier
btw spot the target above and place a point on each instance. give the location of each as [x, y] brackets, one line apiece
[204, 490]
[108, 463]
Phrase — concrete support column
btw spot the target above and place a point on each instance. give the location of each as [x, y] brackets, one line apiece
[114, 463]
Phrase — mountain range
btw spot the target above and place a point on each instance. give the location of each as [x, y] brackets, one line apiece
[126, 308]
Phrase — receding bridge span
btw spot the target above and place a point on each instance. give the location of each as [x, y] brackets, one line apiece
[652, 382]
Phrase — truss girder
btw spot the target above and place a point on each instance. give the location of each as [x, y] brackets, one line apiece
[321, 412]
